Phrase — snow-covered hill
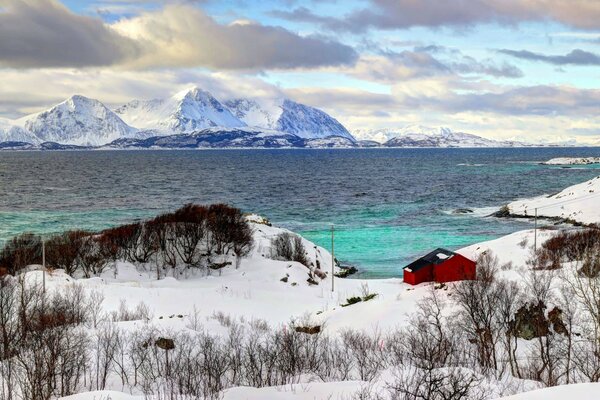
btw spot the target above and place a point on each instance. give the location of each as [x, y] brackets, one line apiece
[187, 111]
[576, 203]
[421, 136]
[288, 116]
[78, 120]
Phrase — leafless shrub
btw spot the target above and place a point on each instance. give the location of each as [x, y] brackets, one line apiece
[412, 383]
[140, 313]
[289, 247]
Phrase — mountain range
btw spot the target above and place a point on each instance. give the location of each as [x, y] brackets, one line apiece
[194, 118]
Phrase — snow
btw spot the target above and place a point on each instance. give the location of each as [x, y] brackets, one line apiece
[573, 161]
[87, 122]
[581, 391]
[11, 132]
[577, 203]
[255, 291]
[514, 249]
[263, 114]
[80, 121]
[422, 136]
[186, 111]
[288, 116]
[344, 390]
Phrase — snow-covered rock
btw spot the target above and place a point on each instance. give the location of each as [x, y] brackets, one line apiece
[288, 116]
[577, 203]
[572, 161]
[78, 120]
[187, 111]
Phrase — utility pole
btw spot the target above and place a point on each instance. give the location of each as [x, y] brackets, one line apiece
[332, 259]
[535, 232]
[43, 264]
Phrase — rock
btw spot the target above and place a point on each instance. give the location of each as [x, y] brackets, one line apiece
[503, 212]
[320, 274]
[530, 322]
[346, 271]
[310, 330]
[216, 266]
[165, 344]
[555, 317]
[462, 211]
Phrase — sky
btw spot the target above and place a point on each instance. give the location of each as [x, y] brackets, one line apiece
[503, 69]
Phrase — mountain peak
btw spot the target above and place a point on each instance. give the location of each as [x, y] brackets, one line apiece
[187, 111]
[288, 116]
[192, 93]
[78, 120]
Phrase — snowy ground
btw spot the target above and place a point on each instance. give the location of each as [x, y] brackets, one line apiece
[255, 291]
[278, 292]
[573, 161]
[576, 203]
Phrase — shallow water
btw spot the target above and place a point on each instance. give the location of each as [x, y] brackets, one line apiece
[388, 205]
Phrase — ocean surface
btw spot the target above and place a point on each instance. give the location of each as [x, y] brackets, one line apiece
[387, 205]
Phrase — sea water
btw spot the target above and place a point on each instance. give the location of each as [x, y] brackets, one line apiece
[387, 205]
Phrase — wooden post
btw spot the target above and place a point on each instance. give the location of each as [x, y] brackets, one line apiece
[332, 259]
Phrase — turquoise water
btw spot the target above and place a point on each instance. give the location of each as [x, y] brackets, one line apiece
[387, 205]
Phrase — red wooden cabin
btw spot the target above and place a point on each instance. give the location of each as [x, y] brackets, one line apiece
[440, 265]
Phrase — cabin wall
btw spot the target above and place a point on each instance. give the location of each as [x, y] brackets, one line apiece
[424, 274]
[456, 268]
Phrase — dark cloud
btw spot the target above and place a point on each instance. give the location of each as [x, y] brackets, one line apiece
[43, 33]
[575, 57]
[401, 14]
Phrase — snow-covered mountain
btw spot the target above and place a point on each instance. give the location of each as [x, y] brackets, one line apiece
[245, 137]
[10, 132]
[187, 111]
[288, 116]
[421, 136]
[80, 121]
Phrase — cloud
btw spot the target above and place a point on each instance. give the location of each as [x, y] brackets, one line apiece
[44, 33]
[541, 100]
[575, 57]
[181, 35]
[20, 94]
[391, 67]
[401, 14]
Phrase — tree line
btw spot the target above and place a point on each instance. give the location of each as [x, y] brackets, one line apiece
[194, 236]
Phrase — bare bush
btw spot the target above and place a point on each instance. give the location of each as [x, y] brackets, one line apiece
[289, 247]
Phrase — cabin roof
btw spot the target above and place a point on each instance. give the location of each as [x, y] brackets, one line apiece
[435, 257]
